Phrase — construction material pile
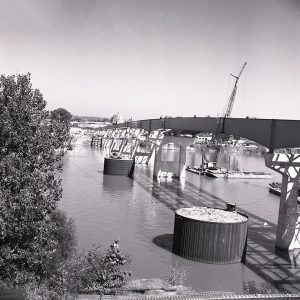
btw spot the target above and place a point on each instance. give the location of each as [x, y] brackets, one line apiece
[207, 214]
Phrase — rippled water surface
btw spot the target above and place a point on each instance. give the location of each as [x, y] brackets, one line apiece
[140, 213]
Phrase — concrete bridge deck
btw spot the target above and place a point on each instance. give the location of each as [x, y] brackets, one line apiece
[271, 133]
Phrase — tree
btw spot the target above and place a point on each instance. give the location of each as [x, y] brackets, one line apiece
[61, 115]
[37, 242]
[29, 185]
[101, 272]
[60, 120]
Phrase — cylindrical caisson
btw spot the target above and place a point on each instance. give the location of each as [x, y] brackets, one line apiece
[209, 242]
[118, 166]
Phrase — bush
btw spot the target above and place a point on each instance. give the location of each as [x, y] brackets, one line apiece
[91, 271]
[69, 273]
[177, 275]
[95, 271]
[250, 287]
[36, 291]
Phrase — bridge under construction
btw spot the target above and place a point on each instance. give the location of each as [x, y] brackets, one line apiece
[274, 134]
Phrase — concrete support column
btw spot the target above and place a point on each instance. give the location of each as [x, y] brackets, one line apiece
[288, 165]
[172, 168]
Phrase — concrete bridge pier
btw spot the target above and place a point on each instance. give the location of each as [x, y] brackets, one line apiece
[166, 167]
[288, 226]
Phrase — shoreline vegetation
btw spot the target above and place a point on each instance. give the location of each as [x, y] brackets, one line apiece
[37, 241]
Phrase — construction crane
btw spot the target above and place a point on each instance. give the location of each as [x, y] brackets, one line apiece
[227, 111]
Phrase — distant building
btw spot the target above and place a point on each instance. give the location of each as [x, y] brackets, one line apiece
[89, 125]
[117, 119]
[203, 137]
[74, 123]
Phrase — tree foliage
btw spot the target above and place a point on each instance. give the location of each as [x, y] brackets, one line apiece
[91, 271]
[250, 287]
[178, 275]
[60, 126]
[62, 115]
[100, 272]
[37, 241]
[31, 148]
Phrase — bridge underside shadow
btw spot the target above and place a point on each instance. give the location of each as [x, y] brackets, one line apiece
[282, 268]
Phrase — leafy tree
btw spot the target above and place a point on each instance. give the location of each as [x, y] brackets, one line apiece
[29, 185]
[91, 271]
[62, 115]
[95, 271]
[37, 242]
[60, 126]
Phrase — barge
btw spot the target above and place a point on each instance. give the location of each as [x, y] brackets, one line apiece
[275, 188]
[203, 168]
[219, 173]
[194, 169]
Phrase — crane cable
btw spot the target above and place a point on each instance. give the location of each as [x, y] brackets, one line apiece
[244, 89]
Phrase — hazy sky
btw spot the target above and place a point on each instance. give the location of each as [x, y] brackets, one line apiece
[147, 58]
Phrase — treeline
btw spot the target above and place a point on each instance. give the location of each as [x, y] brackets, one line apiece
[90, 119]
[38, 249]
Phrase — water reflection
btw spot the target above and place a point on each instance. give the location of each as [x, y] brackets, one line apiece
[114, 184]
[170, 152]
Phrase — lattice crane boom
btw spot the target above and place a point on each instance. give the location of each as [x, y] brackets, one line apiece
[232, 95]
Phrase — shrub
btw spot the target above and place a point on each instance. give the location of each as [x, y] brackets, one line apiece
[100, 272]
[177, 275]
[250, 287]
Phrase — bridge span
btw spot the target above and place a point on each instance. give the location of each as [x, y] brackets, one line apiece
[271, 133]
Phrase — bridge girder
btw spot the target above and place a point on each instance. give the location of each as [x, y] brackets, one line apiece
[271, 133]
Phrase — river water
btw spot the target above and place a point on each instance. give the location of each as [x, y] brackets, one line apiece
[139, 213]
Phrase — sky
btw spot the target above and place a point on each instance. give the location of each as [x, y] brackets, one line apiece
[151, 58]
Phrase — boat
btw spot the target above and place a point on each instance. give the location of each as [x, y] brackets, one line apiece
[233, 172]
[210, 169]
[203, 168]
[275, 188]
[219, 173]
[194, 169]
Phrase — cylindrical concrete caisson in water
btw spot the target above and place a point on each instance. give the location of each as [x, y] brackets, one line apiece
[210, 235]
[118, 166]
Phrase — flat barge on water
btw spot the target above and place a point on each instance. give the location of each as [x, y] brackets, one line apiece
[275, 188]
[237, 174]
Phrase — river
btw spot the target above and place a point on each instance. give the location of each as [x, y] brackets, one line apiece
[139, 213]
